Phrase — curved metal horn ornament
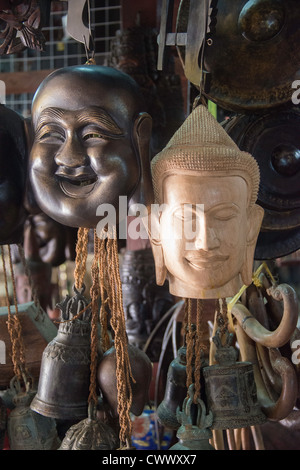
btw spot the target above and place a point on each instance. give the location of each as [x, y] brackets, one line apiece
[275, 410]
[255, 330]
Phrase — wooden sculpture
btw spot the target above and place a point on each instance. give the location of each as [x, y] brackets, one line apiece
[204, 240]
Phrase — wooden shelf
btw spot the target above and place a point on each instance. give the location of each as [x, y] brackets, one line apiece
[23, 82]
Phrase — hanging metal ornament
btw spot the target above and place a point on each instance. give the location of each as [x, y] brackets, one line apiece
[230, 388]
[63, 387]
[250, 31]
[175, 391]
[194, 432]
[28, 430]
[141, 374]
[90, 434]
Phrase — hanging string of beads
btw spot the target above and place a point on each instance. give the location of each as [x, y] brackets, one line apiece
[14, 324]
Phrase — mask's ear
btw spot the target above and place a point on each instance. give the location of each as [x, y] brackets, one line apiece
[255, 218]
[152, 225]
[142, 129]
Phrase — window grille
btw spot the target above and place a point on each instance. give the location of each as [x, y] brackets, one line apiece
[60, 49]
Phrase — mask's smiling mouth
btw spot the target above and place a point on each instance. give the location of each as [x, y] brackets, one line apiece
[76, 183]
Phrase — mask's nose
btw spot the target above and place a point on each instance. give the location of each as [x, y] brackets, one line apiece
[72, 154]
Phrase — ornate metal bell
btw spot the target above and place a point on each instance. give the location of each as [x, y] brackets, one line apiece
[90, 434]
[194, 432]
[28, 430]
[175, 391]
[3, 422]
[65, 369]
[231, 390]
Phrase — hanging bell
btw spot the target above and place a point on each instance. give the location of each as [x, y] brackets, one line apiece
[26, 429]
[90, 434]
[3, 422]
[141, 369]
[64, 381]
[230, 389]
[194, 432]
[175, 391]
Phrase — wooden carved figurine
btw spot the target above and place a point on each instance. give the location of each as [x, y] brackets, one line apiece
[204, 232]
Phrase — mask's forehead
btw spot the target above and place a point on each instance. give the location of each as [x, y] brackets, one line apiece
[76, 90]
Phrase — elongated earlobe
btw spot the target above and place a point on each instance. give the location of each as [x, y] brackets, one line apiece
[152, 225]
[160, 267]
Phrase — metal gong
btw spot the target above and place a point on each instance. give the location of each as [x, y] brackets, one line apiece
[252, 53]
[274, 141]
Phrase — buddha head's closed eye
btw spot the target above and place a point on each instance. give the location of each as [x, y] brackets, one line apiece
[204, 238]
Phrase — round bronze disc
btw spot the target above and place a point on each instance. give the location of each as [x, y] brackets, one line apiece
[254, 56]
[274, 141]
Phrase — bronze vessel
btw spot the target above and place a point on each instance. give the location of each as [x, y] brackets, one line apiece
[65, 370]
[28, 430]
[230, 390]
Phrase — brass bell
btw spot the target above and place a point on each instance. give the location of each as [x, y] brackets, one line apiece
[175, 391]
[90, 434]
[194, 432]
[64, 381]
[231, 389]
[26, 429]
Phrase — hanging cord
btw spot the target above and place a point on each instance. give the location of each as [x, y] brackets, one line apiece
[13, 324]
[81, 256]
[104, 311]
[190, 335]
[80, 268]
[124, 374]
[95, 295]
[30, 280]
[200, 347]
[111, 284]
[195, 346]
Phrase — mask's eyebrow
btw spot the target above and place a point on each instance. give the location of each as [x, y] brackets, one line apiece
[49, 114]
[100, 117]
[88, 116]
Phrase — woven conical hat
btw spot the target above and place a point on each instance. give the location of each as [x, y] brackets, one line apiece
[202, 145]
